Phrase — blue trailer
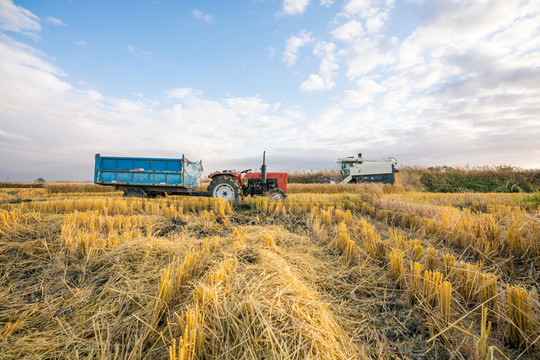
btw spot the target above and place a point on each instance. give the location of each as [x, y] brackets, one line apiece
[148, 177]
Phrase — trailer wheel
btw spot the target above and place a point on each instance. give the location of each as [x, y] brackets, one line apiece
[277, 194]
[136, 192]
[224, 187]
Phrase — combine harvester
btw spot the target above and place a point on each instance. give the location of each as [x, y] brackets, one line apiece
[151, 177]
[360, 170]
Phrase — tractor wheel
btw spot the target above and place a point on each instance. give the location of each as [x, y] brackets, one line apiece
[225, 188]
[277, 194]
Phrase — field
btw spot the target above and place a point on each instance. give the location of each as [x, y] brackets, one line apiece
[333, 272]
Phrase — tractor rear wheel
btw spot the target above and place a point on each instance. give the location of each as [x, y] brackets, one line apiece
[225, 188]
[277, 194]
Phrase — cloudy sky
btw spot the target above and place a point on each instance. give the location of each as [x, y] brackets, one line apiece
[430, 82]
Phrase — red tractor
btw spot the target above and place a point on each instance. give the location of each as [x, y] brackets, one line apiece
[230, 184]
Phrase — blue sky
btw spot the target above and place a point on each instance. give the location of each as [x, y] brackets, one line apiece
[435, 82]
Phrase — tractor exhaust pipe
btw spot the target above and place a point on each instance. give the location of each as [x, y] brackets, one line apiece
[263, 169]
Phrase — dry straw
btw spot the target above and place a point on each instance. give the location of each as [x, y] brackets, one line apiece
[414, 282]
[481, 344]
[520, 328]
[142, 279]
[432, 281]
[445, 299]
[396, 266]
[347, 246]
[190, 343]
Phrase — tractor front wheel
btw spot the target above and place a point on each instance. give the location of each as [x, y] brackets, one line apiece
[277, 194]
[225, 188]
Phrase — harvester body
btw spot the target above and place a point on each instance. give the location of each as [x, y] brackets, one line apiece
[360, 170]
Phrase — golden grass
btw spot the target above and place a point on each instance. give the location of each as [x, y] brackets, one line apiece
[520, 314]
[396, 266]
[347, 246]
[98, 276]
[432, 281]
[505, 231]
[76, 187]
[445, 301]
[414, 281]
[485, 328]
[190, 343]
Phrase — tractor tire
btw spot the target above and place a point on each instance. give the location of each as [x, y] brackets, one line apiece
[225, 188]
[276, 194]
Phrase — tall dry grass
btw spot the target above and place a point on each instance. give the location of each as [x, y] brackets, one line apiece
[313, 276]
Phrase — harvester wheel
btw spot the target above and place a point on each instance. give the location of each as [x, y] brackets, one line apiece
[277, 194]
[225, 188]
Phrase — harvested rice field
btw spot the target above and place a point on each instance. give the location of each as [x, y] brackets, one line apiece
[332, 272]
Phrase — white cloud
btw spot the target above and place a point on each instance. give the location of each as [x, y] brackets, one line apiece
[522, 35]
[374, 13]
[327, 52]
[327, 3]
[293, 44]
[16, 18]
[370, 53]
[409, 55]
[55, 21]
[375, 23]
[294, 7]
[25, 56]
[328, 118]
[445, 93]
[460, 27]
[314, 82]
[462, 87]
[247, 105]
[60, 121]
[366, 9]
[182, 93]
[5, 134]
[197, 14]
[327, 69]
[82, 42]
[363, 95]
[366, 47]
[349, 31]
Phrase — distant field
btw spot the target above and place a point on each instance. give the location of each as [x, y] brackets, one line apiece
[448, 180]
[332, 272]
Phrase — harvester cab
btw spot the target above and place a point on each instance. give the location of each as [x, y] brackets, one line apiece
[360, 170]
[230, 184]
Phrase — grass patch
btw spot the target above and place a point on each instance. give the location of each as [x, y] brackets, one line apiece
[485, 179]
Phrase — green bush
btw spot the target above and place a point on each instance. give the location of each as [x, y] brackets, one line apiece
[484, 179]
[532, 199]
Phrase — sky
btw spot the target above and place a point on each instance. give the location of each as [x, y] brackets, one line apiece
[429, 82]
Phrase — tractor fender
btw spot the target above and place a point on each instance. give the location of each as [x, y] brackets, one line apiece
[218, 175]
[235, 177]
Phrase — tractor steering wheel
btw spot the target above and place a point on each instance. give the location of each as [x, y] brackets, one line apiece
[245, 171]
